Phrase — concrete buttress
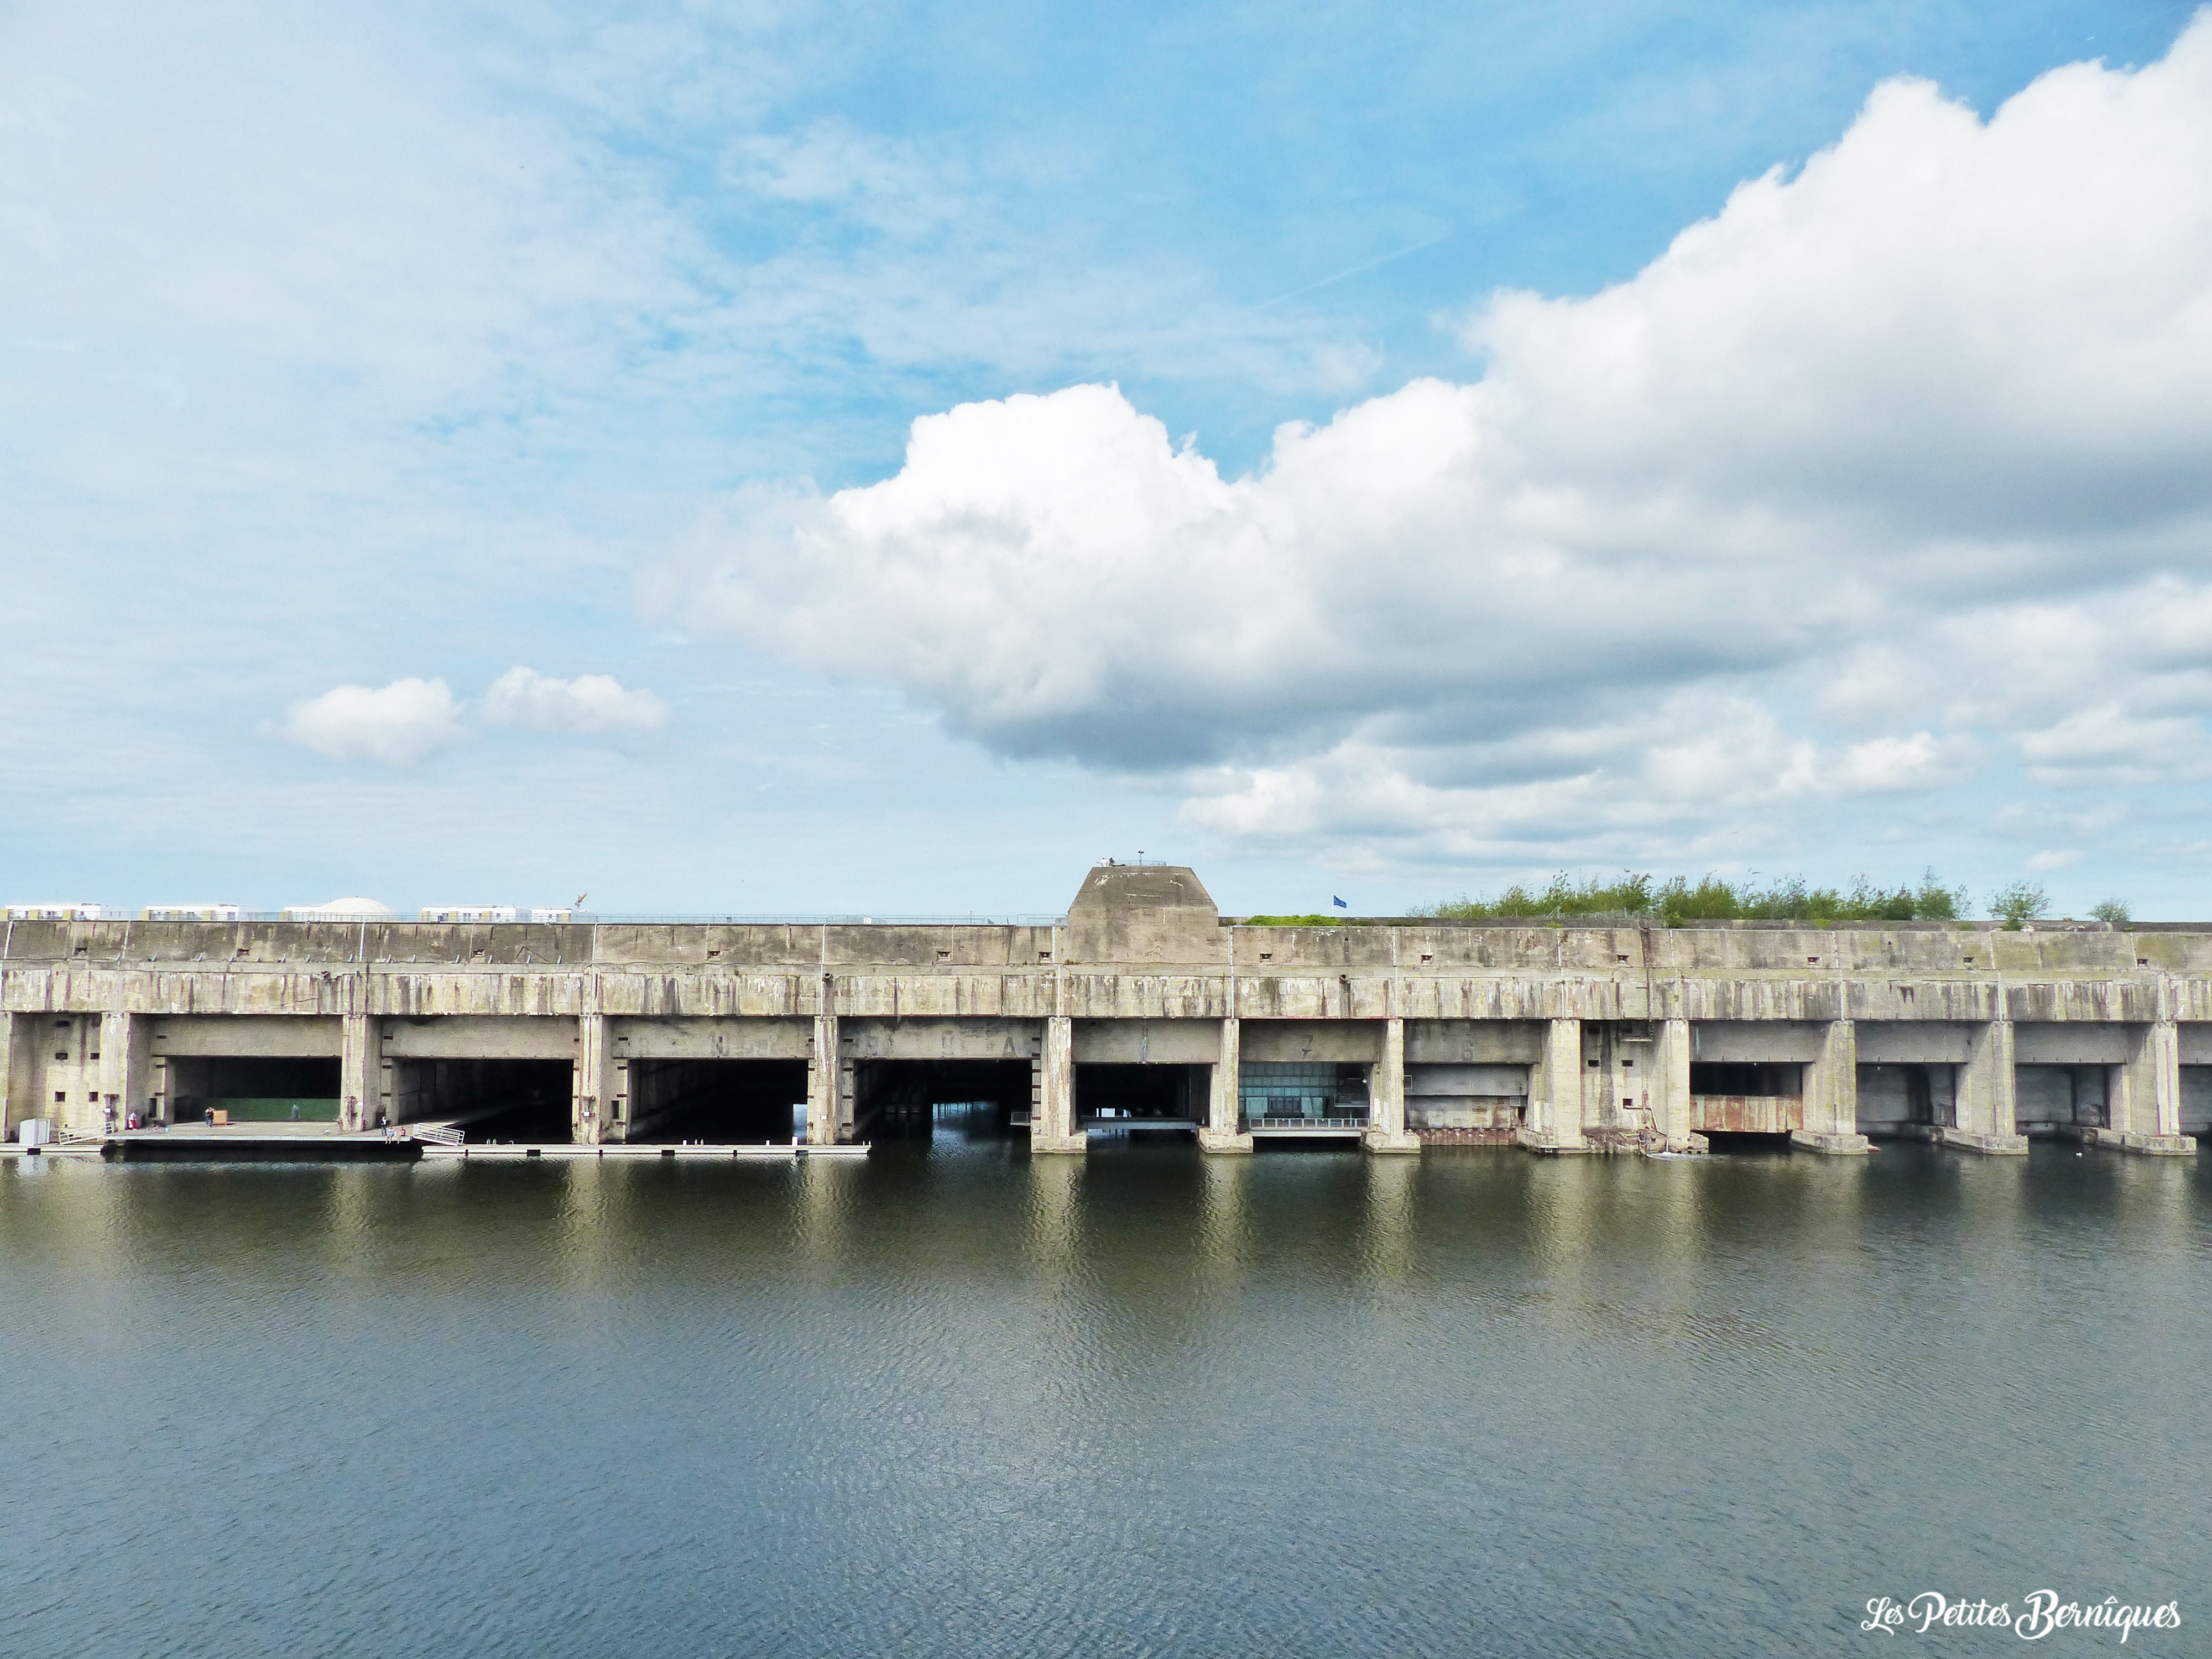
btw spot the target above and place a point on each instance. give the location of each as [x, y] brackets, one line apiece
[126, 1063]
[1221, 1133]
[1386, 1095]
[2146, 1106]
[822, 1072]
[360, 1071]
[1832, 1094]
[1670, 1082]
[591, 1110]
[1052, 1127]
[1555, 1095]
[1987, 1100]
[16, 1102]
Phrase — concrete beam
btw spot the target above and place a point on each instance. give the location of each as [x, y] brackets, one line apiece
[1147, 1042]
[247, 1036]
[690, 1038]
[2076, 1042]
[1350, 1042]
[1915, 1042]
[1754, 1042]
[481, 1036]
[2195, 1042]
[1475, 1041]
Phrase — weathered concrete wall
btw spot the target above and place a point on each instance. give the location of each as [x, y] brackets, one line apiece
[476, 1037]
[1776, 1041]
[1143, 913]
[1149, 1042]
[265, 1035]
[1466, 1096]
[694, 1037]
[1310, 1040]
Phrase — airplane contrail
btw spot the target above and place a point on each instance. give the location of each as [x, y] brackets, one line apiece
[1371, 264]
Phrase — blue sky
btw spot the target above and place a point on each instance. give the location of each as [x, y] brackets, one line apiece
[403, 349]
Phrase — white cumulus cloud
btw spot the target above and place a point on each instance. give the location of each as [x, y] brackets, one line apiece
[590, 705]
[1894, 465]
[409, 720]
[396, 725]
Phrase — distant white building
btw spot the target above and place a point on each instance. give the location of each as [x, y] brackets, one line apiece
[468, 913]
[191, 913]
[351, 908]
[56, 912]
[550, 915]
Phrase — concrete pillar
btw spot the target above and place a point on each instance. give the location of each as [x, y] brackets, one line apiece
[1386, 1095]
[1221, 1133]
[1670, 1083]
[15, 1102]
[1983, 1113]
[360, 1071]
[592, 1121]
[2146, 1097]
[822, 1070]
[1832, 1094]
[126, 1066]
[1555, 1093]
[1052, 1127]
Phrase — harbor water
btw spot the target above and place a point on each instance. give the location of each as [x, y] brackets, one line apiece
[953, 1401]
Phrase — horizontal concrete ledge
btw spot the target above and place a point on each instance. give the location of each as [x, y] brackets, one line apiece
[1551, 1146]
[1058, 1145]
[1815, 1141]
[1381, 1140]
[9, 1149]
[2151, 1146]
[1967, 1140]
[618, 1153]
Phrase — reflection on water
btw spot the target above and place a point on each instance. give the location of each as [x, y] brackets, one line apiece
[951, 1400]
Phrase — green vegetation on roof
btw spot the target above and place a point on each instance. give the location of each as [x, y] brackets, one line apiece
[1675, 900]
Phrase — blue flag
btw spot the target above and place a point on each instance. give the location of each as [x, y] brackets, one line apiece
[1339, 902]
